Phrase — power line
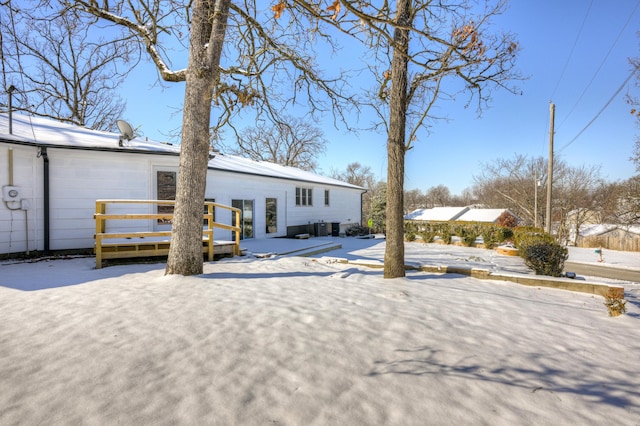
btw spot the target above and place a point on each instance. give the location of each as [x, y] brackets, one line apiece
[600, 112]
[573, 48]
[601, 64]
[566, 64]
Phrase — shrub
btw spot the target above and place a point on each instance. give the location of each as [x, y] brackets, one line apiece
[410, 229]
[616, 305]
[427, 233]
[507, 220]
[443, 230]
[491, 235]
[505, 234]
[468, 232]
[528, 235]
[545, 258]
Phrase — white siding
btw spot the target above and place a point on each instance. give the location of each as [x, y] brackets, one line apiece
[344, 206]
[13, 224]
[77, 178]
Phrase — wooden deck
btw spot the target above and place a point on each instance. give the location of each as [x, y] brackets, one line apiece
[121, 245]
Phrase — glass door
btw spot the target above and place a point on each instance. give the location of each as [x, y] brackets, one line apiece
[246, 217]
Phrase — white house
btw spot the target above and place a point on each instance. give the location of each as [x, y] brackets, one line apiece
[437, 214]
[458, 214]
[51, 175]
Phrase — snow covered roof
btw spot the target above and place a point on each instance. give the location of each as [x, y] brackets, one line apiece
[437, 214]
[232, 163]
[462, 214]
[603, 228]
[45, 132]
[482, 215]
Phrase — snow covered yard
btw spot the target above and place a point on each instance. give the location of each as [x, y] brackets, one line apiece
[293, 341]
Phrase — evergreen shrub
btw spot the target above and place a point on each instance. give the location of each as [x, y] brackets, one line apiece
[545, 258]
[427, 232]
[444, 231]
[468, 233]
[410, 229]
[528, 235]
[492, 235]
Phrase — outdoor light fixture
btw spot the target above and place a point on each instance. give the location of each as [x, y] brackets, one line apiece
[10, 91]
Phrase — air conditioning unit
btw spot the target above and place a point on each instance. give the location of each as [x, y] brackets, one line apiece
[10, 193]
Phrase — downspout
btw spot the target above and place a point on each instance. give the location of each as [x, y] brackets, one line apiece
[362, 219]
[10, 166]
[45, 159]
[10, 204]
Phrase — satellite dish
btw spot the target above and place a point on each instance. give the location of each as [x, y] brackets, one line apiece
[126, 132]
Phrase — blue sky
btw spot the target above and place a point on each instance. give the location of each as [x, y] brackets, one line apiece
[574, 53]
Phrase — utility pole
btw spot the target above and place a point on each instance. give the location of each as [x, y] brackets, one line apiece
[536, 184]
[552, 110]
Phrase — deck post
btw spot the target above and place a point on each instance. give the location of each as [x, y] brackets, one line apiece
[101, 208]
[210, 208]
[236, 248]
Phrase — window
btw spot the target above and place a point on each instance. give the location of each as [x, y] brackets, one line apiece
[272, 215]
[246, 217]
[166, 190]
[304, 197]
[326, 197]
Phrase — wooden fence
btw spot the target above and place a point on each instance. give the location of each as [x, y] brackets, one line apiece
[611, 242]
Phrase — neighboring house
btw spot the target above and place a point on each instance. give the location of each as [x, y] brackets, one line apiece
[612, 237]
[584, 217]
[458, 214]
[485, 215]
[437, 214]
[52, 174]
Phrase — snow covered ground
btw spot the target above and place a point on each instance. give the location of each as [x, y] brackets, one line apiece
[310, 341]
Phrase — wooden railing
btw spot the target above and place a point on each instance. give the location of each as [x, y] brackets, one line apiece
[152, 243]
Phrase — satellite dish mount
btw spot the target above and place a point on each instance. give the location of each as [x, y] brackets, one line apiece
[126, 131]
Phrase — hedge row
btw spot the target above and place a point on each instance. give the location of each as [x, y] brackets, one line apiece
[538, 249]
[467, 231]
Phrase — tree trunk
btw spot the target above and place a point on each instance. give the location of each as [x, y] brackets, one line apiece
[398, 104]
[208, 26]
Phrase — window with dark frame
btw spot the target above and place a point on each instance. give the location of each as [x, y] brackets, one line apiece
[165, 190]
[304, 197]
[271, 212]
[326, 197]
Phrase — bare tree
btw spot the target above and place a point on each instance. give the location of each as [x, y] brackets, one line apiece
[424, 52]
[513, 184]
[265, 62]
[438, 196]
[466, 198]
[574, 203]
[413, 199]
[607, 196]
[294, 142]
[356, 174]
[64, 69]
[629, 207]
